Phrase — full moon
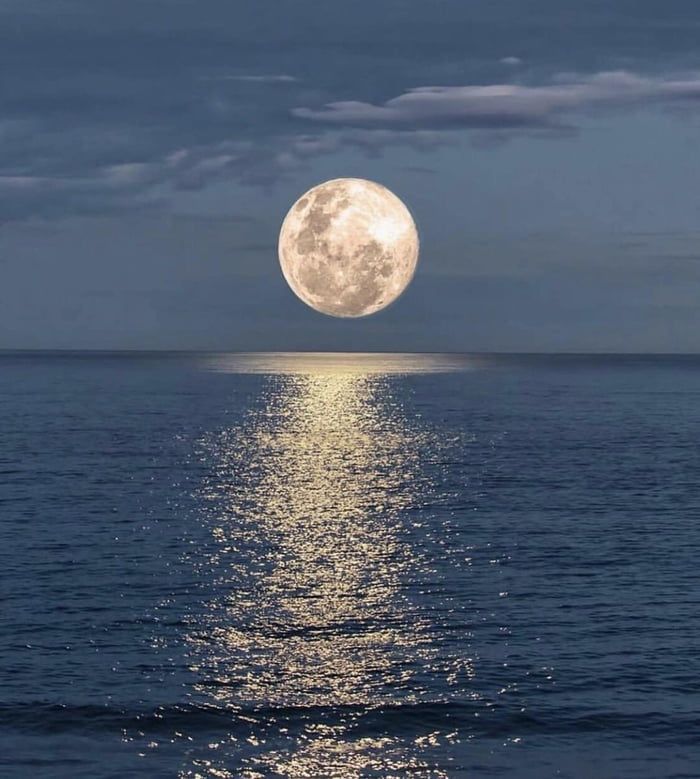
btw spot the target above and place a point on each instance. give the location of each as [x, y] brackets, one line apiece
[348, 247]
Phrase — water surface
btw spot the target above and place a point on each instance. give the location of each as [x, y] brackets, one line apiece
[349, 565]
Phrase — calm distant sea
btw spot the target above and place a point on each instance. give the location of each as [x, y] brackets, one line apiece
[349, 566]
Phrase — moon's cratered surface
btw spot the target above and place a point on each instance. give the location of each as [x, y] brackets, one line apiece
[348, 247]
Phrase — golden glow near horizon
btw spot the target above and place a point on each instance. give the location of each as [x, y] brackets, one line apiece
[310, 526]
[356, 364]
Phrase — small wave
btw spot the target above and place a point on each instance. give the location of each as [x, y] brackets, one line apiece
[471, 718]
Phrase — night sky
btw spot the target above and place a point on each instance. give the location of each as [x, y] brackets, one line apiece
[549, 151]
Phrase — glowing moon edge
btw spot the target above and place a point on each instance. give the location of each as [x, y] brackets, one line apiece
[348, 247]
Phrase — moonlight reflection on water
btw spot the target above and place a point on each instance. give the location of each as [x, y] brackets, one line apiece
[312, 520]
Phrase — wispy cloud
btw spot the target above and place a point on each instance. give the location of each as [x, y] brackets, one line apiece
[53, 167]
[506, 106]
[272, 78]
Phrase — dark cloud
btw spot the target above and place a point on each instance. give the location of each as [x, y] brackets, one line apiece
[129, 185]
[91, 169]
[106, 105]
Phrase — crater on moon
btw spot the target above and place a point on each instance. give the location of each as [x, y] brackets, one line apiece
[348, 247]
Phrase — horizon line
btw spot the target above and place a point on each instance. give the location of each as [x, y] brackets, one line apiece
[475, 353]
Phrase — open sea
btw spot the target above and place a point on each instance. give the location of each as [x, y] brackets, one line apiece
[357, 565]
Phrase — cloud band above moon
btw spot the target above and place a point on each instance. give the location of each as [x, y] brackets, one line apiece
[509, 105]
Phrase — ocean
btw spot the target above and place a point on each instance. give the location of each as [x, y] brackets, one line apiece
[358, 565]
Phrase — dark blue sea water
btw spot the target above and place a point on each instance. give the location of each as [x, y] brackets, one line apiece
[349, 566]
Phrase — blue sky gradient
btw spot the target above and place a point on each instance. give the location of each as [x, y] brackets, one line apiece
[548, 150]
